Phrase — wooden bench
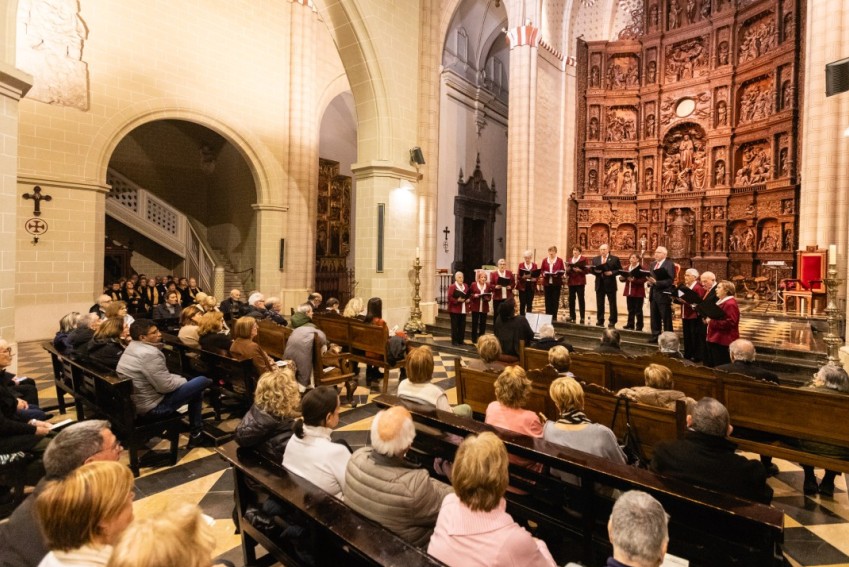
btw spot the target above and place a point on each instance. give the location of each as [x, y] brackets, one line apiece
[336, 534]
[706, 527]
[360, 339]
[272, 337]
[110, 396]
[759, 410]
[650, 424]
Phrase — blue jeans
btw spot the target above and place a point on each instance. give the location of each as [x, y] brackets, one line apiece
[189, 393]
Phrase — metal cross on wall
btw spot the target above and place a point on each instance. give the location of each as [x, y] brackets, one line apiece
[37, 197]
[445, 243]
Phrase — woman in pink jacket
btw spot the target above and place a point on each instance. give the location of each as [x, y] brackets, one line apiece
[473, 527]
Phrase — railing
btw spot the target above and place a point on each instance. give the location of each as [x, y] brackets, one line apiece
[149, 215]
[339, 284]
[443, 282]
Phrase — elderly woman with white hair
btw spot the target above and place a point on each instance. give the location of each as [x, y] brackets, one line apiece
[694, 328]
[547, 339]
[390, 490]
[458, 306]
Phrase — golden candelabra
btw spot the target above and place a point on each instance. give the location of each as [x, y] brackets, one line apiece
[832, 337]
[415, 325]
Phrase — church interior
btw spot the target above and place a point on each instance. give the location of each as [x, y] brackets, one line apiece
[375, 148]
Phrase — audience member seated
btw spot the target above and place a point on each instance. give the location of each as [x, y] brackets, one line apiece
[473, 527]
[119, 309]
[186, 298]
[210, 336]
[83, 515]
[314, 299]
[668, 345]
[105, 348]
[510, 330]
[189, 319]
[397, 342]
[742, 353]
[274, 306]
[21, 541]
[831, 379]
[300, 345]
[706, 457]
[132, 298]
[574, 429]
[354, 309]
[244, 332]
[232, 307]
[390, 490]
[311, 453]
[170, 309]
[99, 308]
[257, 308]
[156, 391]
[547, 340]
[658, 390]
[267, 426]
[560, 360]
[21, 387]
[87, 324]
[419, 388]
[177, 536]
[67, 324]
[331, 307]
[489, 350]
[512, 388]
[638, 530]
[610, 342]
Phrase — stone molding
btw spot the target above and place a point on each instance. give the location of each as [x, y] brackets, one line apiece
[64, 184]
[376, 169]
[270, 207]
[14, 83]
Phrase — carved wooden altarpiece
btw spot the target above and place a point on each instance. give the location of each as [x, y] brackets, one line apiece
[688, 134]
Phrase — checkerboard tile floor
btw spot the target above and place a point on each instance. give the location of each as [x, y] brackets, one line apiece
[816, 528]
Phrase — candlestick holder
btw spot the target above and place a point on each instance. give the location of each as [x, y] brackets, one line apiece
[415, 325]
[832, 337]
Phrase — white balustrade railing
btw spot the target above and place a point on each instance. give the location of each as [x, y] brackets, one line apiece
[149, 215]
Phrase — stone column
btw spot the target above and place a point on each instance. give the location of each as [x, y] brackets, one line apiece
[394, 187]
[271, 221]
[824, 201]
[14, 84]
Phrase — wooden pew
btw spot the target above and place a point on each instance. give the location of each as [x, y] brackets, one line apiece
[358, 339]
[759, 410]
[339, 536]
[706, 527]
[65, 379]
[110, 396]
[272, 337]
[651, 424]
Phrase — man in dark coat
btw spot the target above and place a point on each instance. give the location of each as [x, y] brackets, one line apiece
[743, 362]
[706, 457]
[662, 280]
[547, 340]
[605, 268]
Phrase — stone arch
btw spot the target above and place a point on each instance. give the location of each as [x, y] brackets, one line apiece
[365, 75]
[264, 167]
[337, 86]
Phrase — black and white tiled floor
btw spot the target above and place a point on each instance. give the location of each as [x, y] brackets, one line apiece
[816, 528]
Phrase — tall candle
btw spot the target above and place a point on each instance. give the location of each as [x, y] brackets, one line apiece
[417, 251]
[832, 253]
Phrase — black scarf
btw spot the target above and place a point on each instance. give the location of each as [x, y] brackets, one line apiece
[574, 417]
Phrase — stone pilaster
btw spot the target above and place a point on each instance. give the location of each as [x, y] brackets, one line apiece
[14, 84]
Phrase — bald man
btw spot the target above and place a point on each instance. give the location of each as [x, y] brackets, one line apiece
[605, 284]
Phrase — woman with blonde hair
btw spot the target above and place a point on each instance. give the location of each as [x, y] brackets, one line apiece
[268, 424]
[354, 308]
[119, 309]
[83, 515]
[512, 388]
[658, 390]
[473, 526]
[244, 347]
[574, 429]
[210, 335]
[178, 537]
[189, 320]
[489, 350]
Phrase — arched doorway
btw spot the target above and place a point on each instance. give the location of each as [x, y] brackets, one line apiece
[181, 202]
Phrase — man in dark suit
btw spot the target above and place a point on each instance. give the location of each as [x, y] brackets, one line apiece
[605, 268]
[661, 280]
[743, 362]
[706, 457]
[547, 340]
[708, 281]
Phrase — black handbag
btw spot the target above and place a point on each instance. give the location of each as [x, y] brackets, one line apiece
[630, 442]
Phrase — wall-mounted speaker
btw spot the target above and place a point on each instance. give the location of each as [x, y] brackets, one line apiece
[837, 77]
[416, 156]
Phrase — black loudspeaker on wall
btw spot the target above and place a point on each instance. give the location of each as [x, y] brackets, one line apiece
[416, 156]
[837, 77]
